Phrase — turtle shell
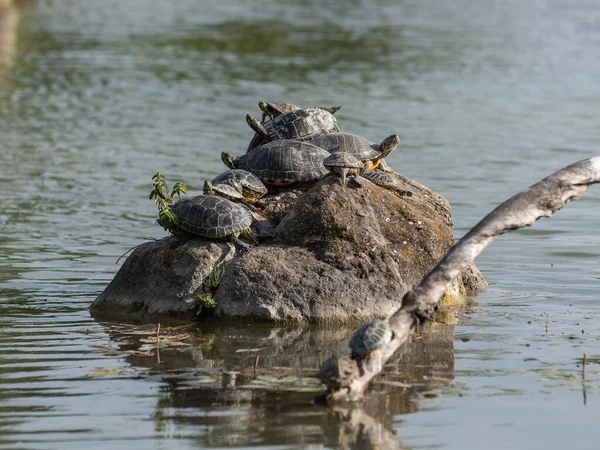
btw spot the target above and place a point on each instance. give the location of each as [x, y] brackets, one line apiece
[371, 337]
[301, 124]
[211, 216]
[349, 143]
[252, 187]
[226, 191]
[338, 372]
[285, 162]
[343, 159]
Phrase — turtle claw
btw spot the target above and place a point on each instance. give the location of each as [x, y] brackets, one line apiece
[241, 247]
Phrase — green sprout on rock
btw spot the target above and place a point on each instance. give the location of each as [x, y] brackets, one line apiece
[206, 303]
[214, 278]
[178, 189]
[162, 199]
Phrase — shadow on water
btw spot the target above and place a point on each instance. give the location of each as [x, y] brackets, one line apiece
[258, 382]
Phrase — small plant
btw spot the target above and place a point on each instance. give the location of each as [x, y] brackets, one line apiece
[214, 278]
[205, 302]
[162, 198]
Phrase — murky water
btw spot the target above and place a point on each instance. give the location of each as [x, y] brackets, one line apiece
[488, 97]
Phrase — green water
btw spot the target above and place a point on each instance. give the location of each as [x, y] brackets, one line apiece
[488, 97]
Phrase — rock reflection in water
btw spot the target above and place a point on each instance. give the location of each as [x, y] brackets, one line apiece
[254, 384]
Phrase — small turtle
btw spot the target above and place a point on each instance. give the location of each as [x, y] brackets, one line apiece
[344, 164]
[370, 338]
[282, 163]
[338, 372]
[301, 125]
[230, 190]
[371, 154]
[386, 181]
[213, 217]
[252, 187]
[274, 109]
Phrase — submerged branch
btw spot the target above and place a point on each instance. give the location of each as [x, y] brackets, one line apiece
[522, 210]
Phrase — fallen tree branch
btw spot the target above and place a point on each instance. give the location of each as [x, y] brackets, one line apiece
[522, 210]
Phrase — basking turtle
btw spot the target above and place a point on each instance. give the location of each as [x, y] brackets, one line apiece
[230, 190]
[301, 124]
[370, 153]
[386, 181]
[213, 217]
[274, 109]
[344, 164]
[252, 187]
[370, 338]
[282, 163]
[338, 372]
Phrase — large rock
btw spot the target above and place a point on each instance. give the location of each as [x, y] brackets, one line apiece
[160, 280]
[340, 254]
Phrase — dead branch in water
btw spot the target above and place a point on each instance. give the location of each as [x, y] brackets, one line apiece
[522, 210]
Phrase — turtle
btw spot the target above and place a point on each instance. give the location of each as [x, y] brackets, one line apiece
[274, 109]
[344, 164]
[229, 189]
[301, 125]
[282, 163]
[214, 217]
[252, 187]
[370, 153]
[386, 181]
[370, 338]
[338, 372]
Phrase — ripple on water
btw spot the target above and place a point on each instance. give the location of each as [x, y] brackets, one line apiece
[96, 99]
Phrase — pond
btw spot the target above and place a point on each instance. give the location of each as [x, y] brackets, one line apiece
[488, 98]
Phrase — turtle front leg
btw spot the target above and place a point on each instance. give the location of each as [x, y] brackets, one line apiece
[240, 246]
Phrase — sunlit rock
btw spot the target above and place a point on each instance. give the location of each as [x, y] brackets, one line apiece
[339, 255]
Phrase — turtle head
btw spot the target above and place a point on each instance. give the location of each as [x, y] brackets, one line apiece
[208, 188]
[266, 110]
[228, 160]
[257, 126]
[235, 184]
[389, 144]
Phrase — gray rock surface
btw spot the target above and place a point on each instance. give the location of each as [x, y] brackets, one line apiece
[160, 280]
[340, 254]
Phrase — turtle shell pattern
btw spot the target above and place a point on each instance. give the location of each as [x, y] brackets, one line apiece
[285, 162]
[343, 159]
[211, 216]
[371, 337]
[251, 184]
[227, 191]
[301, 124]
[346, 142]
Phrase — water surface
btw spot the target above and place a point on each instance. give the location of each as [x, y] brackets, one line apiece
[488, 97]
